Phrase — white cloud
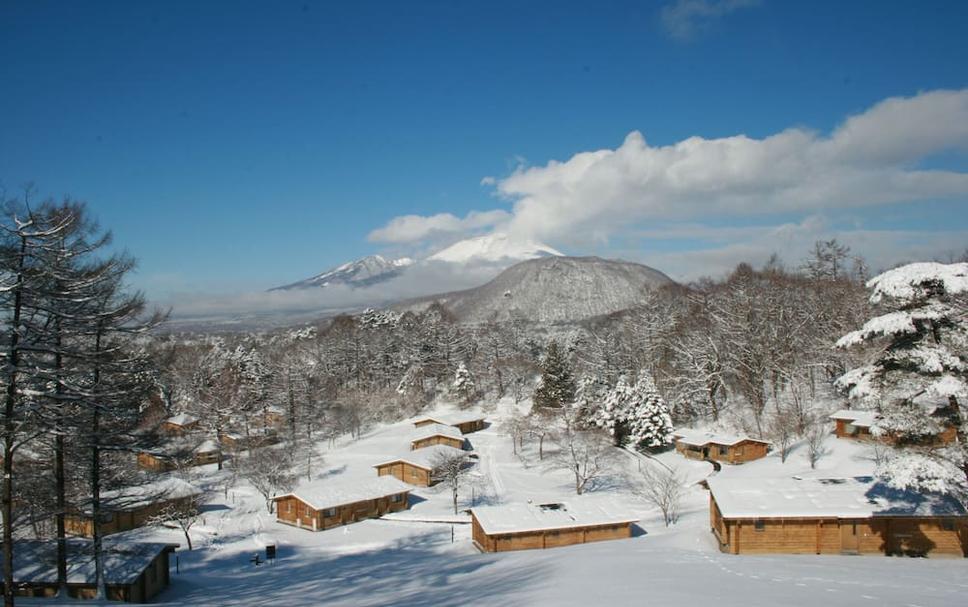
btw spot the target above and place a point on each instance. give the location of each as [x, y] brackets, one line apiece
[684, 18]
[407, 229]
[871, 159]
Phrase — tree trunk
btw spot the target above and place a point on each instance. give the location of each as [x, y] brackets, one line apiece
[99, 580]
[60, 481]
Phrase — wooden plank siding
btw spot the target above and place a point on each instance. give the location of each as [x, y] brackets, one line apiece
[439, 439]
[914, 535]
[406, 472]
[82, 525]
[546, 538]
[293, 511]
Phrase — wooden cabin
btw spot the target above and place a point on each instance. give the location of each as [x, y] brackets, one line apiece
[724, 448]
[180, 452]
[853, 424]
[856, 424]
[466, 423]
[325, 504]
[155, 461]
[416, 467]
[134, 571]
[436, 434]
[538, 526]
[132, 507]
[180, 424]
[208, 452]
[274, 417]
[833, 516]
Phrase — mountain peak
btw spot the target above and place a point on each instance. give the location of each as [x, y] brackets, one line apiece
[495, 247]
[363, 272]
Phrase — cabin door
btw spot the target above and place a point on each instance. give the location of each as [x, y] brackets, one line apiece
[849, 540]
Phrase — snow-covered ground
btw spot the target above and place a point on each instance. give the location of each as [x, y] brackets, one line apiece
[417, 557]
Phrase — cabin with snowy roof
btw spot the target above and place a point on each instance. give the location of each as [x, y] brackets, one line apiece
[857, 515]
[325, 504]
[134, 571]
[465, 422]
[132, 507]
[180, 424]
[857, 424]
[416, 467]
[436, 434]
[725, 448]
[531, 526]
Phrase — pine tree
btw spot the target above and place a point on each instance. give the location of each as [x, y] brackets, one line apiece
[613, 414]
[649, 423]
[463, 385]
[917, 377]
[557, 386]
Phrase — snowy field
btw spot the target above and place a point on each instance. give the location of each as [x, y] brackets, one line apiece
[414, 559]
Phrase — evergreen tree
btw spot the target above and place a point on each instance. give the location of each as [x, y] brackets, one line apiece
[463, 386]
[557, 387]
[649, 423]
[915, 380]
[613, 414]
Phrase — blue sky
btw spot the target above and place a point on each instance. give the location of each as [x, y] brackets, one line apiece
[238, 146]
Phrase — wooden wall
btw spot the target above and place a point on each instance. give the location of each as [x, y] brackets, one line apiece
[457, 443]
[293, 511]
[123, 520]
[537, 540]
[881, 535]
[406, 472]
[739, 453]
[471, 426]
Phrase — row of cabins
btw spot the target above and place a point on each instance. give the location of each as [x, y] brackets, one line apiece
[857, 515]
[134, 571]
[325, 504]
[858, 424]
[133, 507]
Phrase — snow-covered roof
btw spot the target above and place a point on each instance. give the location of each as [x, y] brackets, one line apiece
[424, 458]
[864, 419]
[698, 438]
[123, 561]
[451, 419]
[854, 497]
[435, 430]
[324, 494]
[182, 419]
[138, 496]
[207, 446]
[576, 512]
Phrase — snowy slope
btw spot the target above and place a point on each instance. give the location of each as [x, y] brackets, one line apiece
[364, 272]
[553, 290]
[493, 248]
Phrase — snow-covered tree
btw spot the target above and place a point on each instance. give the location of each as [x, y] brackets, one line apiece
[463, 386]
[918, 374]
[636, 415]
[557, 386]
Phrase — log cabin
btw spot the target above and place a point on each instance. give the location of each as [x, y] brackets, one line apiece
[416, 467]
[465, 422]
[181, 452]
[857, 424]
[724, 448]
[208, 452]
[325, 504]
[538, 526]
[132, 507]
[134, 571]
[857, 515]
[436, 434]
[180, 424]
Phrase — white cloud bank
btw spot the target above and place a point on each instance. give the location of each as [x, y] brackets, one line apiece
[408, 229]
[871, 159]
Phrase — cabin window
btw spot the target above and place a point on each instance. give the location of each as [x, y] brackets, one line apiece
[414, 473]
[948, 525]
[330, 512]
[723, 450]
[396, 498]
[759, 525]
[288, 506]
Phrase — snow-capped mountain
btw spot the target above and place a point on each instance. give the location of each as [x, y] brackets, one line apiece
[494, 248]
[364, 272]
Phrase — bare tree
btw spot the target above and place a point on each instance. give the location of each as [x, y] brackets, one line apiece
[663, 488]
[815, 437]
[450, 468]
[186, 511]
[782, 432]
[587, 454]
[268, 472]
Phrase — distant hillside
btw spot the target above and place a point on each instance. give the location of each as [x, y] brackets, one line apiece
[552, 290]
